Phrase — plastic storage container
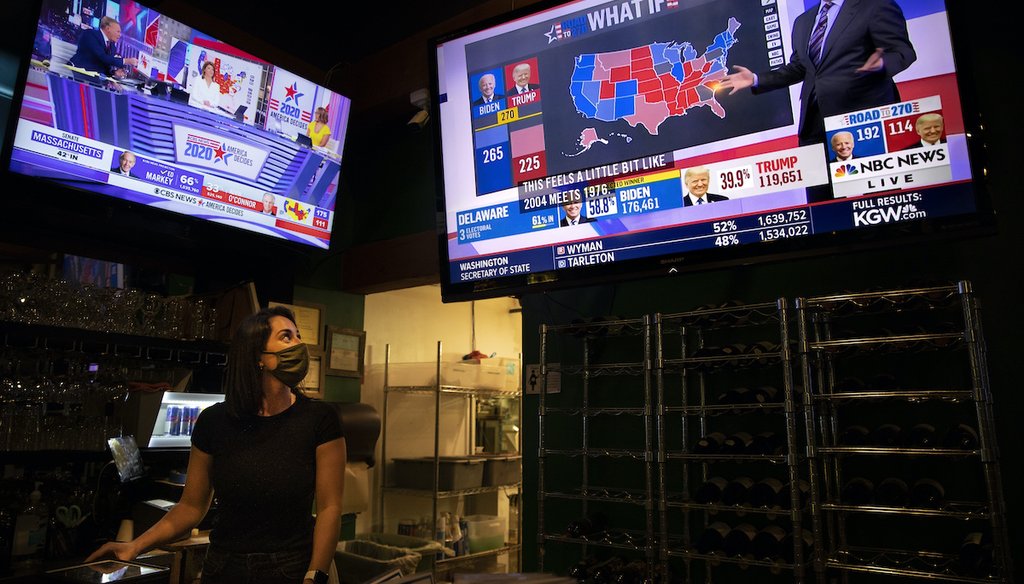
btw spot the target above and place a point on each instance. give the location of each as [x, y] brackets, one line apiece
[425, 547]
[454, 474]
[501, 469]
[486, 532]
[360, 560]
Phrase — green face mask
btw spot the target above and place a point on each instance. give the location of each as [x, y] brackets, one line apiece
[292, 364]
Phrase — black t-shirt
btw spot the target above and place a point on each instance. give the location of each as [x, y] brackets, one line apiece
[264, 474]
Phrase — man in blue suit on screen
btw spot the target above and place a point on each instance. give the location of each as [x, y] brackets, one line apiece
[96, 50]
[846, 53]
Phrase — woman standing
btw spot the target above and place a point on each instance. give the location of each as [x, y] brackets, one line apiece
[318, 130]
[205, 92]
[265, 451]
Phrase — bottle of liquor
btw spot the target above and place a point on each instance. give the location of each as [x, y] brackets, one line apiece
[710, 444]
[710, 491]
[857, 491]
[765, 493]
[738, 443]
[922, 436]
[712, 539]
[887, 436]
[803, 492]
[737, 492]
[927, 494]
[761, 350]
[892, 492]
[767, 443]
[854, 436]
[961, 437]
[739, 540]
[767, 544]
[976, 554]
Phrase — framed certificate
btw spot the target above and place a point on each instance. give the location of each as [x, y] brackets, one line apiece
[309, 317]
[313, 384]
[345, 351]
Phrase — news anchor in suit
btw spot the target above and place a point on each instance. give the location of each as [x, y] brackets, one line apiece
[846, 53]
[696, 179]
[96, 49]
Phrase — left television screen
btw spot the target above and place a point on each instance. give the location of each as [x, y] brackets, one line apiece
[124, 101]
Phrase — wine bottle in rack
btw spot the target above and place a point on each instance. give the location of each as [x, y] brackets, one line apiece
[761, 349]
[710, 444]
[892, 492]
[849, 384]
[922, 436]
[887, 436]
[975, 554]
[883, 382]
[712, 538]
[766, 394]
[594, 522]
[765, 493]
[767, 443]
[857, 491]
[581, 570]
[854, 436]
[767, 544]
[710, 491]
[806, 543]
[735, 396]
[739, 540]
[961, 437]
[738, 443]
[927, 494]
[605, 572]
[634, 572]
[733, 350]
[803, 493]
[737, 491]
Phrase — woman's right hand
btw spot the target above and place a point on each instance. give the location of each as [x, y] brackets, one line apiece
[124, 551]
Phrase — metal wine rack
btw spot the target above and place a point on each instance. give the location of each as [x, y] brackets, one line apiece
[595, 439]
[686, 376]
[945, 376]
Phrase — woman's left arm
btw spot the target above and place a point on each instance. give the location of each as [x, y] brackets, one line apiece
[330, 484]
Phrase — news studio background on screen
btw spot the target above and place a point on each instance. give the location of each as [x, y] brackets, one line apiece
[229, 150]
[570, 138]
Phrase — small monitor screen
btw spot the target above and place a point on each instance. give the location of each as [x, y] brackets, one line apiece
[127, 458]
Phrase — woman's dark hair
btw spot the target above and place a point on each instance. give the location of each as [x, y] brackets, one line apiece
[243, 380]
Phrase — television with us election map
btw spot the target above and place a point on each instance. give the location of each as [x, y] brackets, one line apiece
[119, 99]
[592, 141]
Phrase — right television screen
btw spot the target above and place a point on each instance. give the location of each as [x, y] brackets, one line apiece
[591, 140]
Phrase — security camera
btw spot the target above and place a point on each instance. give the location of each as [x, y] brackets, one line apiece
[419, 120]
[421, 99]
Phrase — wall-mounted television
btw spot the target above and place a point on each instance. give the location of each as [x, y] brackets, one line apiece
[121, 100]
[591, 141]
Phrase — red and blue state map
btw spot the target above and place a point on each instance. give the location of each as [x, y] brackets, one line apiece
[648, 84]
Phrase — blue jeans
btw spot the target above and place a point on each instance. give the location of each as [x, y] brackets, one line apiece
[224, 567]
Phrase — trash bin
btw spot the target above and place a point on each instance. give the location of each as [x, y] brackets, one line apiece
[372, 554]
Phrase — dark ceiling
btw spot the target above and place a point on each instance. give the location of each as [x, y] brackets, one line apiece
[329, 33]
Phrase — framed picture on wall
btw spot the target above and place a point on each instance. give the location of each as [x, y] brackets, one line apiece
[309, 317]
[313, 384]
[345, 351]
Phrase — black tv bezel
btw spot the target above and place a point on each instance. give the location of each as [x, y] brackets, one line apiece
[114, 214]
[980, 223]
